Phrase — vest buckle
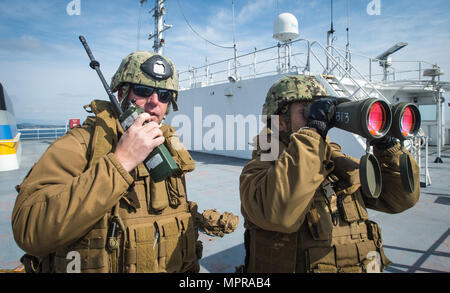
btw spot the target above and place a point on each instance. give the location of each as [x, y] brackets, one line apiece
[328, 190]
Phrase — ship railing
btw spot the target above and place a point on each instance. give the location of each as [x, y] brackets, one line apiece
[258, 63]
[418, 143]
[301, 56]
[344, 71]
[42, 133]
[399, 70]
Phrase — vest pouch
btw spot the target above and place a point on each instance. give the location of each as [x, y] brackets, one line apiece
[188, 237]
[272, 252]
[349, 209]
[158, 196]
[170, 245]
[141, 249]
[337, 259]
[320, 260]
[91, 261]
[319, 220]
[90, 249]
[374, 234]
[360, 206]
[348, 259]
[370, 257]
[175, 191]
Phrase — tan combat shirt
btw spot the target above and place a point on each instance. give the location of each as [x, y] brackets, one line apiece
[276, 194]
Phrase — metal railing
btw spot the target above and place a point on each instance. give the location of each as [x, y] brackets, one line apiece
[297, 58]
[41, 133]
[344, 67]
[414, 70]
[417, 143]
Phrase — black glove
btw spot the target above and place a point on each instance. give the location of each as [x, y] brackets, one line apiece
[320, 115]
[384, 143]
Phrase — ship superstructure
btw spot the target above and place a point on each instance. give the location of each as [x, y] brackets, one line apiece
[220, 102]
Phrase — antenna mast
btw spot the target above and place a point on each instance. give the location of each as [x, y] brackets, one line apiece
[160, 26]
[348, 56]
[330, 37]
[234, 43]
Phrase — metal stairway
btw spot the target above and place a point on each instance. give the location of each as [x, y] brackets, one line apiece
[339, 89]
[338, 69]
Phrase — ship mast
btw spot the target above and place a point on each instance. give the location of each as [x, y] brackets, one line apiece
[348, 55]
[160, 25]
[330, 38]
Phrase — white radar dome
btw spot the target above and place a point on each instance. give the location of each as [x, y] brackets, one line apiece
[285, 27]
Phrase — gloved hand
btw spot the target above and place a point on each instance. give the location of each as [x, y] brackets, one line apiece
[384, 143]
[320, 115]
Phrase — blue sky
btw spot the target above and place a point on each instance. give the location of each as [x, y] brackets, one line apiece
[45, 69]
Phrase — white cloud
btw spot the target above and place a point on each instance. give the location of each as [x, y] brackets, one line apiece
[253, 10]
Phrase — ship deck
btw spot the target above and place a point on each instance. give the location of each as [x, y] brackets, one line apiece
[416, 240]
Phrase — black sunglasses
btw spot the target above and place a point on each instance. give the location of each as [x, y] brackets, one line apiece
[164, 95]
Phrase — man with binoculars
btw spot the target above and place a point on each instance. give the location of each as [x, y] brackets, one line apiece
[305, 210]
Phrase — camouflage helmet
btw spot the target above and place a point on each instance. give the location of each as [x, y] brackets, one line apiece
[147, 68]
[291, 88]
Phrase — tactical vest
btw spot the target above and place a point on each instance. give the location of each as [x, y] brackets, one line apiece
[151, 229]
[336, 235]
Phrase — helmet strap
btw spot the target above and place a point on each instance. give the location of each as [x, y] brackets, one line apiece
[125, 88]
[285, 113]
[287, 119]
[284, 135]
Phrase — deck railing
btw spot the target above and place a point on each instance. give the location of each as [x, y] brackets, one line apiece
[41, 133]
[299, 56]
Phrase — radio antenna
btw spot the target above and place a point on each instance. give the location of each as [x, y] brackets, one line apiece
[347, 47]
[330, 37]
[234, 42]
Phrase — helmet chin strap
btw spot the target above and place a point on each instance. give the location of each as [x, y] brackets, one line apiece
[284, 135]
[287, 119]
[125, 92]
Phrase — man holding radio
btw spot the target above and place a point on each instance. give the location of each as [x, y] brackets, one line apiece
[90, 193]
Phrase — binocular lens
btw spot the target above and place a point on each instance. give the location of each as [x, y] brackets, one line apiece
[408, 121]
[376, 119]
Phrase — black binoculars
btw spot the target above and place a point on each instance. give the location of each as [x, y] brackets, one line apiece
[372, 119]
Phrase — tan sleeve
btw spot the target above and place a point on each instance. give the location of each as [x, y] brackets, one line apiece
[394, 198]
[275, 195]
[59, 201]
